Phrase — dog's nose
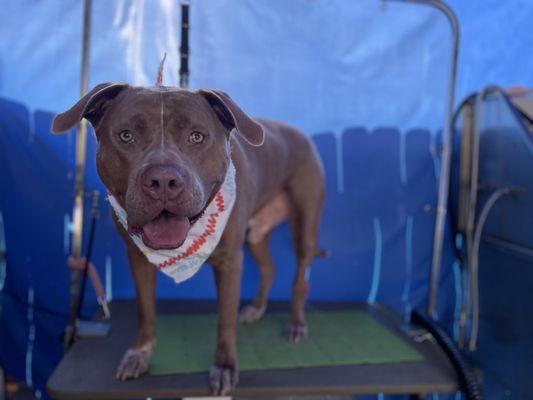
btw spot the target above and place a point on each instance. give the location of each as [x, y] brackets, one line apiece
[162, 182]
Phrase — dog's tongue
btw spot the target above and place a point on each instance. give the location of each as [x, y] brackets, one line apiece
[165, 232]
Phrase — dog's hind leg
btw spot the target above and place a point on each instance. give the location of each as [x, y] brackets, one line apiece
[307, 192]
[261, 255]
[260, 227]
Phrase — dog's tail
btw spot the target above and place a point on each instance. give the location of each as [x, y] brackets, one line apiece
[319, 253]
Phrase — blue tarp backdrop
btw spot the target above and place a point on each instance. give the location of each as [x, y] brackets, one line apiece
[366, 79]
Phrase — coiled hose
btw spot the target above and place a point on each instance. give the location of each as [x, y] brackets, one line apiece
[467, 379]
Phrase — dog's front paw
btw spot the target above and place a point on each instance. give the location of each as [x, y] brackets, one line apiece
[297, 331]
[134, 363]
[223, 379]
[251, 313]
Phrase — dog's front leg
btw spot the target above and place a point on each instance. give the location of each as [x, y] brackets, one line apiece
[135, 361]
[224, 373]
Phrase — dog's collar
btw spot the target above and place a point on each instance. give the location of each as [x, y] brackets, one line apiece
[203, 237]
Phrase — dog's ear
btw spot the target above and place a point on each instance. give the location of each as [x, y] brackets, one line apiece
[231, 116]
[91, 106]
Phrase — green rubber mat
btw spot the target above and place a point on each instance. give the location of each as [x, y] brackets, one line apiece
[185, 343]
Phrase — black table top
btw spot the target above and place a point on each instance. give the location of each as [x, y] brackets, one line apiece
[88, 370]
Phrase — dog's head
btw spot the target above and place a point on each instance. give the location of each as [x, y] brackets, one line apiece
[162, 152]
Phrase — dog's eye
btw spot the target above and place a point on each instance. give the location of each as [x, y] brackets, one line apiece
[196, 138]
[126, 136]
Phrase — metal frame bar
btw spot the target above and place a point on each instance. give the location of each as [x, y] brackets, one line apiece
[444, 179]
[508, 246]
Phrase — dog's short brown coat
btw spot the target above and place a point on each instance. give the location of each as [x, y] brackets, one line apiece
[278, 173]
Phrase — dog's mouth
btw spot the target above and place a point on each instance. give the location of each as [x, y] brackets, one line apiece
[166, 231]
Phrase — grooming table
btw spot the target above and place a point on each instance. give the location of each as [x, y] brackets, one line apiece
[88, 370]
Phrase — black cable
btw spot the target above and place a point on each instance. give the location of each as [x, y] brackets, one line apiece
[184, 47]
[81, 294]
[70, 331]
[467, 379]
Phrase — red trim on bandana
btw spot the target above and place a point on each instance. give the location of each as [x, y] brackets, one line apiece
[198, 243]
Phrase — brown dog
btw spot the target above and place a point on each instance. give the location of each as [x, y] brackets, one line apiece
[163, 154]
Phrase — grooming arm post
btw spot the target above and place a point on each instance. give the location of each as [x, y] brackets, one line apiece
[81, 145]
[444, 180]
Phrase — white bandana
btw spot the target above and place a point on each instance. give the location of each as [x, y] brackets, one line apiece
[182, 263]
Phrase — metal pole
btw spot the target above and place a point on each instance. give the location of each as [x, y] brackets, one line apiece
[184, 47]
[444, 180]
[88, 251]
[81, 146]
